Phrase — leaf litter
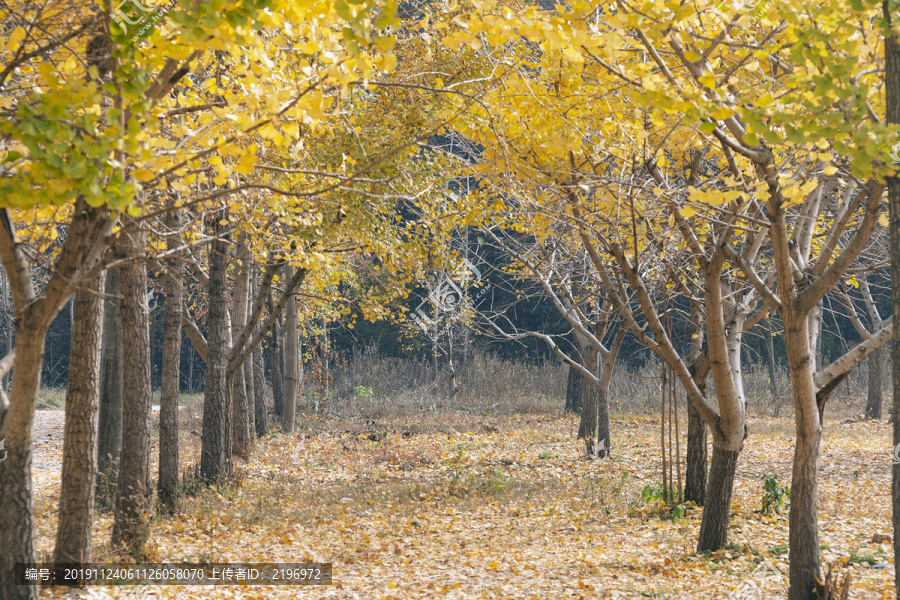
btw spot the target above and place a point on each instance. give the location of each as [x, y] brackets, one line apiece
[462, 508]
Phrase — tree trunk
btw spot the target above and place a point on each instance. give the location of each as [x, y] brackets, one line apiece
[8, 319]
[695, 472]
[76, 496]
[816, 319]
[87, 233]
[257, 391]
[259, 383]
[130, 528]
[190, 367]
[434, 357]
[215, 456]
[249, 370]
[167, 486]
[734, 341]
[729, 430]
[873, 405]
[803, 555]
[291, 357]
[251, 394]
[574, 386]
[240, 428]
[590, 398]
[465, 345]
[17, 519]
[594, 426]
[326, 362]
[240, 407]
[893, 67]
[714, 524]
[696, 457]
[109, 449]
[451, 368]
[276, 367]
[803, 540]
[892, 116]
[770, 351]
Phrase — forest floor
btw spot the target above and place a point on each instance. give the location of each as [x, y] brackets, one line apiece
[494, 507]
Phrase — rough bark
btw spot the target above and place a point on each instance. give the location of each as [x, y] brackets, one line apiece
[240, 406]
[574, 386]
[215, 456]
[875, 395]
[76, 497]
[798, 319]
[696, 460]
[251, 394]
[291, 357]
[276, 368]
[239, 429]
[714, 525]
[594, 425]
[259, 383]
[130, 527]
[79, 260]
[249, 365]
[17, 518]
[167, 485]
[7, 325]
[696, 457]
[803, 555]
[695, 470]
[109, 447]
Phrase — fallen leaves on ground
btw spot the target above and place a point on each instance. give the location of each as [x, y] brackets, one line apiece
[499, 508]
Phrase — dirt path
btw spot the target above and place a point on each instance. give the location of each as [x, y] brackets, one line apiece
[48, 440]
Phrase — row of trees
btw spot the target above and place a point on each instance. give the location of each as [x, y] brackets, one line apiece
[729, 160]
[628, 160]
[238, 156]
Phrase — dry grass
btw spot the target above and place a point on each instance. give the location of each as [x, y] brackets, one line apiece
[371, 386]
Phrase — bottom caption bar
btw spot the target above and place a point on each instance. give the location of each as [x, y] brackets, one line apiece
[46, 574]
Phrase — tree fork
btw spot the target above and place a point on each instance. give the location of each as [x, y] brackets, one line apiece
[90, 230]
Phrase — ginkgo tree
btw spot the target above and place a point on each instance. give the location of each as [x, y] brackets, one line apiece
[547, 156]
[780, 103]
[85, 106]
[804, 164]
